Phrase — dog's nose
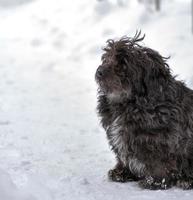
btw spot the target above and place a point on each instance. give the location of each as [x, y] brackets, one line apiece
[100, 72]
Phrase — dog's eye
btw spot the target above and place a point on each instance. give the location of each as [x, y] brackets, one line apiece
[120, 67]
[124, 67]
[116, 68]
[119, 70]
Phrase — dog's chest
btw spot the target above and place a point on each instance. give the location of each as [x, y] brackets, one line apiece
[120, 141]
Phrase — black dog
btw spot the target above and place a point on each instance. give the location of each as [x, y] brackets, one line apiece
[147, 115]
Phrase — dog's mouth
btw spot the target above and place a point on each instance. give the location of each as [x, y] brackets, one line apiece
[109, 86]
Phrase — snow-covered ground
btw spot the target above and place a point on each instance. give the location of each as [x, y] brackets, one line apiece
[51, 144]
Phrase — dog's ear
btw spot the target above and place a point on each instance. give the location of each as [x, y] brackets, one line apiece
[155, 73]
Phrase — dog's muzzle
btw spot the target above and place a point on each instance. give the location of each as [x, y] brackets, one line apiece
[102, 72]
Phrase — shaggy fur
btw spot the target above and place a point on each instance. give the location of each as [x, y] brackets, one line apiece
[147, 115]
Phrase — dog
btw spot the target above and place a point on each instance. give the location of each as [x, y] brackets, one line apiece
[147, 115]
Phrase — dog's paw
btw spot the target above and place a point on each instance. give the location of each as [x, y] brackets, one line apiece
[122, 175]
[116, 176]
[152, 183]
[185, 184]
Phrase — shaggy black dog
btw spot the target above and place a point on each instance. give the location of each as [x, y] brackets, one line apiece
[147, 115]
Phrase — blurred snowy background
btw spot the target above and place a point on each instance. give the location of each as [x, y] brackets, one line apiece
[51, 144]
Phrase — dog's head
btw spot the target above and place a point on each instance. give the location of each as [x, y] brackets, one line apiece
[129, 68]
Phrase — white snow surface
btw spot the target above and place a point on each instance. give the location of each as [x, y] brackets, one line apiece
[51, 143]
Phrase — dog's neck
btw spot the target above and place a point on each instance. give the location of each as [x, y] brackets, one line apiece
[118, 97]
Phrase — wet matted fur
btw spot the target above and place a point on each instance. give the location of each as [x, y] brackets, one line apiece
[147, 115]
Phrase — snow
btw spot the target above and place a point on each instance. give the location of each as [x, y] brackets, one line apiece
[51, 144]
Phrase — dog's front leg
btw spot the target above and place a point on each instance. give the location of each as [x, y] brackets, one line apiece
[121, 173]
[157, 178]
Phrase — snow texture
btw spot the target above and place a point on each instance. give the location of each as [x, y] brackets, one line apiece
[51, 143]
